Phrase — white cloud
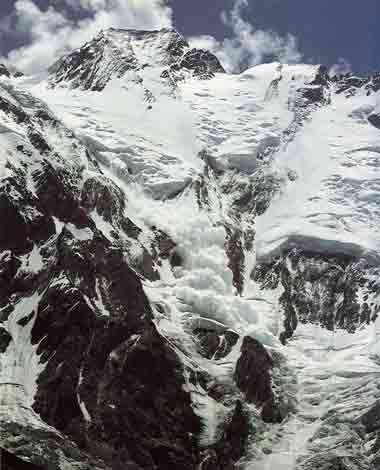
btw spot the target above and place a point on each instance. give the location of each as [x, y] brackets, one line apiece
[248, 46]
[52, 32]
[340, 68]
[86, 4]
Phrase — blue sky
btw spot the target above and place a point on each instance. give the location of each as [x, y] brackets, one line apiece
[326, 30]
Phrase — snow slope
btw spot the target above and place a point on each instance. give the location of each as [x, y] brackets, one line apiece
[333, 205]
[330, 203]
[142, 151]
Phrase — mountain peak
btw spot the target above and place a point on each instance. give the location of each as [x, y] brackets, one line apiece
[141, 32]
[114, 52]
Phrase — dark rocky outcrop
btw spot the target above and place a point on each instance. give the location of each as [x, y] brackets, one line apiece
[322, 289]
[236, 259]
[43, 449]
[79, 68]
[164, 248]
[317, 91]
[202, 63]
[252, 374]
[9, 461]
[371, 419]
[215, 344]
[374, 119]
[108, 200]
[321, 77]
[156, 428]
[313, 94]
[374, 83]
[349, 84]
[4, 72]
[5, 339]
[253, 377]
[19, 234]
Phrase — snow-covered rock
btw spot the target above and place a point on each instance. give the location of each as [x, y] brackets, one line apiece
[115, 52]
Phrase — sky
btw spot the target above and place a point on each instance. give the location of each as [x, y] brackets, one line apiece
[342, 34]
[327, 30]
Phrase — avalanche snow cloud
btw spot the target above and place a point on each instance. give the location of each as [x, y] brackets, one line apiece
[189, 270]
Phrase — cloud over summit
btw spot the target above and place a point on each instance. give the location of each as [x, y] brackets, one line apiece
[54, 31]
[67, 24]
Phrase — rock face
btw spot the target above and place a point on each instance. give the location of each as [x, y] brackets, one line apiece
[5, 339]
[253, 377]
[374, 119]
[371, 419]
[11, 462]
[252, 374]
[199, 62]
[155, 429]
[349, 83]
[40, 448]
[4, 71]
[115, 52]
[322, 289]
[216, 345]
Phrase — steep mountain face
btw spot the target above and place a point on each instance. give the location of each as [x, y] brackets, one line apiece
[336, 291]
[189, 268]
[114, 53]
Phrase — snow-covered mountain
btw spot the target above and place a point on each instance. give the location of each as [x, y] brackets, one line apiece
[189, 263]
[114, 53]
